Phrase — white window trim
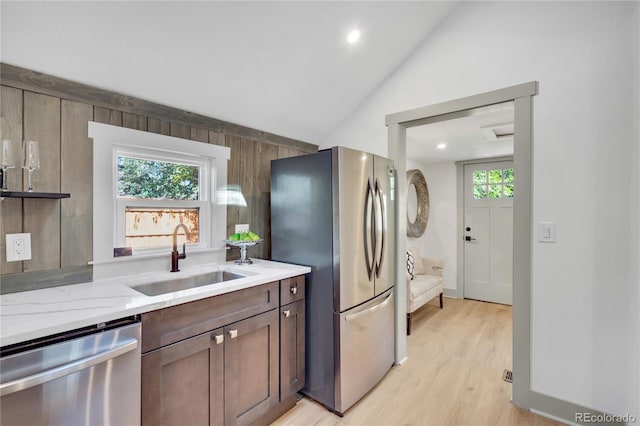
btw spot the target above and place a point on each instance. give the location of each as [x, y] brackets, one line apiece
[106, 140]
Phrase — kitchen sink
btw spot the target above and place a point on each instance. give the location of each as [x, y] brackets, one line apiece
[170, 286]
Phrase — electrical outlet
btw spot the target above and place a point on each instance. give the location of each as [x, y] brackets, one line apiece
[242, 228]
[18, 247]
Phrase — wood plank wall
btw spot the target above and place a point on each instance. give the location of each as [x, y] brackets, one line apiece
[61, 230]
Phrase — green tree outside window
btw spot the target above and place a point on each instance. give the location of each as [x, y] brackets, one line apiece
[157, 180]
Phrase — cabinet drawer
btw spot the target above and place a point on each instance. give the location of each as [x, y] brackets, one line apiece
[169, 325]
[291, 289]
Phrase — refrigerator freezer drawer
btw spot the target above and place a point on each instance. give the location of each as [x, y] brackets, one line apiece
[366, 348]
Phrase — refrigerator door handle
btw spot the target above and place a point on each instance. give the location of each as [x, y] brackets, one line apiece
[369, 244]
[373, 308]
[382, 233]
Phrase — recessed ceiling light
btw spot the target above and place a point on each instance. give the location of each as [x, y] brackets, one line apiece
[441, 146]
[353, 36]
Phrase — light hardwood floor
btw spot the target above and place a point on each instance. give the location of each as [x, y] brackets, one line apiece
[453, 375]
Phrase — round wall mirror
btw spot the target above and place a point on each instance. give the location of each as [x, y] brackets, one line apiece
[412, 203]
[417, 203]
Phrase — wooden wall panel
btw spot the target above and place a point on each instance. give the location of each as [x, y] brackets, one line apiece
[200, 135]
[247, 179]
[233, 180]
[42, 221]
[107, 116]
[134, 121]
[261, 212]
[42, 217]
[11, 208]
[286, 152]
[216, 138]
[42, 124]
[11, 128]
[76, 231]
[180, 130]
[250, 168]
[159, 126]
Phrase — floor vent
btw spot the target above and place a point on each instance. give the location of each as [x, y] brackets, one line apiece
[507, 376]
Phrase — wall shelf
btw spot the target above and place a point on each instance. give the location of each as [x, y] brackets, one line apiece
[50, 195]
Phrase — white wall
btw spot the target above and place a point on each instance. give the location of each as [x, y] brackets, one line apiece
[634, 189]
[584, 309]
[439, 239]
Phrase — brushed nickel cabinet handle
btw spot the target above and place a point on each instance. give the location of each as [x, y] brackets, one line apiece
[294, 290]
[219, 338]
[233, 333]
[287, 313]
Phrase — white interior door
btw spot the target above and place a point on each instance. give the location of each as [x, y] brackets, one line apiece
[488, 222]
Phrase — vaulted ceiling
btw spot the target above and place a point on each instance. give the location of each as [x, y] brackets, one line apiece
[281, 67]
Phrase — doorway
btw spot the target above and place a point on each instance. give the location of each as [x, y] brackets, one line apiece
[397, 124]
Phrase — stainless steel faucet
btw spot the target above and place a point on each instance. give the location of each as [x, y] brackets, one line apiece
[175, 255]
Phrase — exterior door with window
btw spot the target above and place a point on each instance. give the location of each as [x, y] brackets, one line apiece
[488, 234]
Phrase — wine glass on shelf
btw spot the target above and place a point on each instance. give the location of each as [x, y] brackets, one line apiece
[7, 160]
[31, 161]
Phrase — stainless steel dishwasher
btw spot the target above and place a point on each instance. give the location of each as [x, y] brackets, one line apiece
[86, 377]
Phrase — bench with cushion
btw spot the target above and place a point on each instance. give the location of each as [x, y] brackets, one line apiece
[424, 282]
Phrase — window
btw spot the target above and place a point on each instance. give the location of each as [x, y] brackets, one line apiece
[497, 183]
[156, 191]
[144, 184]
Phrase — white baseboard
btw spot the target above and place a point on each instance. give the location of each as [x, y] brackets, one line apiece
[402, 361]
[451, 293]
[566, 412]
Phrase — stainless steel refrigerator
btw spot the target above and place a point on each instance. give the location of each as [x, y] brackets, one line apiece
[334, 211]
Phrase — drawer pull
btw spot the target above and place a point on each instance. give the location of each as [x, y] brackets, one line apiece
[287, 313]
[233, 333]
[294, 290]
[219, 338]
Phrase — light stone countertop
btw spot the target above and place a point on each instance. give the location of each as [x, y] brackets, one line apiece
[32, 314]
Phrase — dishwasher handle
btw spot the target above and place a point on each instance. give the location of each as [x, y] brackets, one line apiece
[67, 369]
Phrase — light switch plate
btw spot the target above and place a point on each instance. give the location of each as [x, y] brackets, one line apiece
[242, 228]
[18, 247]
[547, 232]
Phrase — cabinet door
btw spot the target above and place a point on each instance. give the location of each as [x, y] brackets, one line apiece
[292, 362]
[182, 384]
[251, 368]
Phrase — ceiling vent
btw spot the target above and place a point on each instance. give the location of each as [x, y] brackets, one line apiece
[498, 131]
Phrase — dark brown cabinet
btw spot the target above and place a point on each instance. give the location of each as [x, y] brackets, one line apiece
[251, 368]
[169, 325]
[292, 336]
[292, 363]
[292, 289]
[232, 359]
[183, 382]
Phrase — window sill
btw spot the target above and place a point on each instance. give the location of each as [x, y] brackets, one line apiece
[154, 255]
